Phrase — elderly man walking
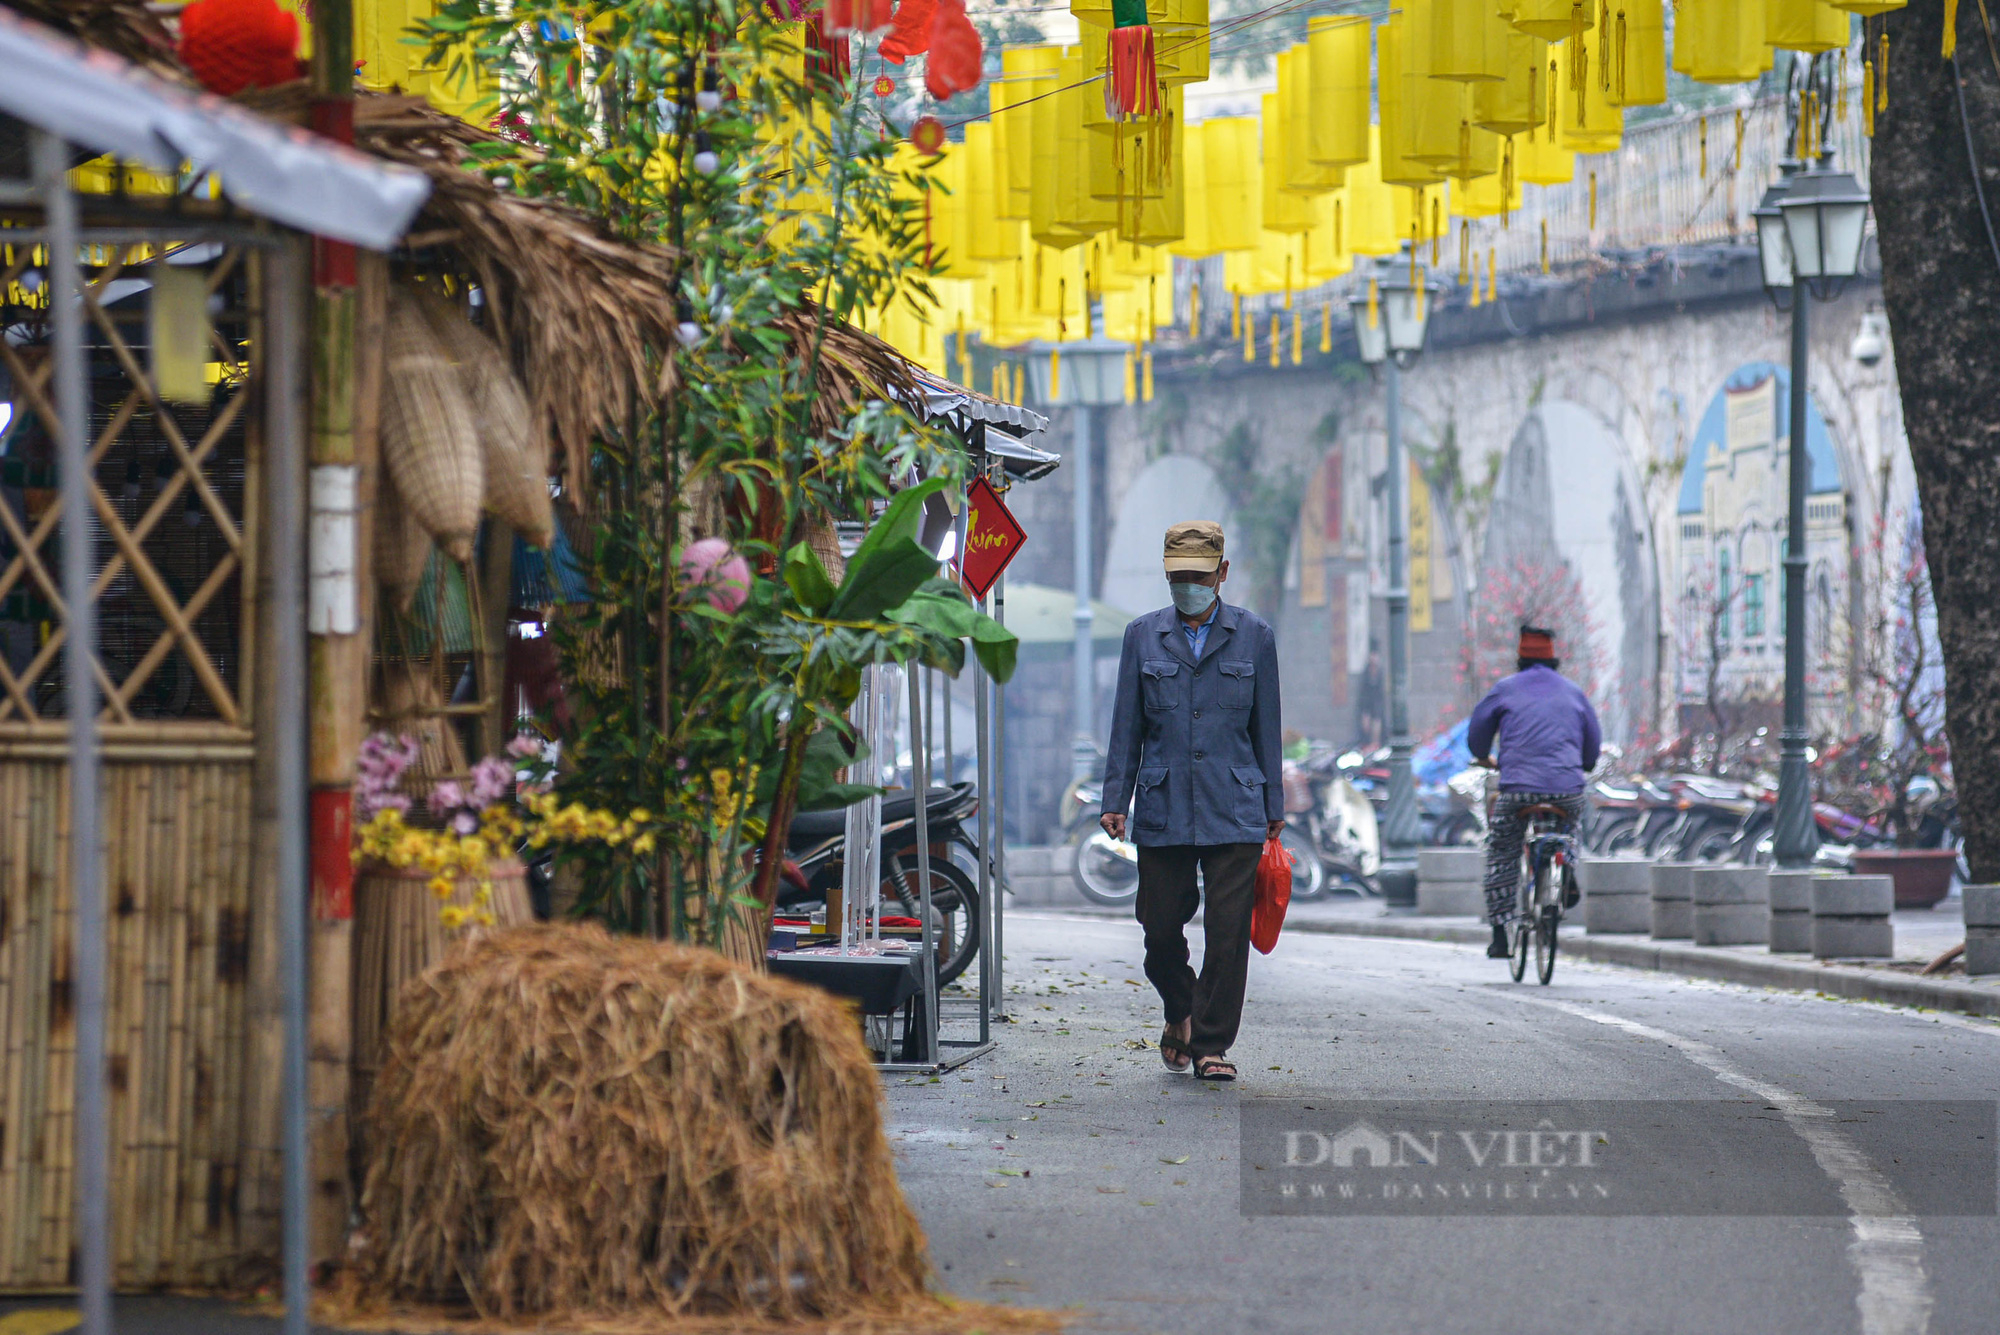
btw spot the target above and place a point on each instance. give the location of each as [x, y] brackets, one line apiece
[1195, 732]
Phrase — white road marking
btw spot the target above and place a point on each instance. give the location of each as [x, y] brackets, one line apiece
[1887, 1249]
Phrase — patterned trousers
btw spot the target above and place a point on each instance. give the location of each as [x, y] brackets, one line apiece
[1504, 833]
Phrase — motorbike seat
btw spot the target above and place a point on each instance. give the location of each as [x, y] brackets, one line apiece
[813, 826]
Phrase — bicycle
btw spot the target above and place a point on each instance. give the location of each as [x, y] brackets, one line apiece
[1547, 885]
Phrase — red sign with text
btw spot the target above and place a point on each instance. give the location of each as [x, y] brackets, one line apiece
[992, 537]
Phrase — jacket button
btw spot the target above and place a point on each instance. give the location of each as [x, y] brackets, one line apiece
[1197, 755]
[1197, 713]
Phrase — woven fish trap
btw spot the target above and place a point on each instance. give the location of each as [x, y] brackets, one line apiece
[516, 451]
[824, 540]
[430, 443]
[401, 546]
[569, 1124]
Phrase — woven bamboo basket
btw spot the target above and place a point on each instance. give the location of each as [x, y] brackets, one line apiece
[398, 935]
[825, 544]
[401, 546]
[430, 442]
[516, 453]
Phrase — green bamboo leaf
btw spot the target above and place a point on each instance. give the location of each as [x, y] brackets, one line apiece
[807, 578]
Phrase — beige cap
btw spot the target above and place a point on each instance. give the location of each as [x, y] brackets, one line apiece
[1194, 544]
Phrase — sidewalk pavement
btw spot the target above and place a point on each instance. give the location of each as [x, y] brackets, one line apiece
[1921, 935]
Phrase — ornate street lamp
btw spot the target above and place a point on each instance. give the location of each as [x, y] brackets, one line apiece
[1391, 323]
[1090, 374]
[1809, 234]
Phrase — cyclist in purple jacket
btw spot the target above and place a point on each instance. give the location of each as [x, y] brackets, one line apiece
[1550, 741]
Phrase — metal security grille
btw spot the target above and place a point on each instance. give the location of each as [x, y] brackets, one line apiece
[173, 488]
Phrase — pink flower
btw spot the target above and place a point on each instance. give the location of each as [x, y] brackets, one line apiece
[492, 780]
[447, 795]
[711, 565]
[525, 746]
[465, 823]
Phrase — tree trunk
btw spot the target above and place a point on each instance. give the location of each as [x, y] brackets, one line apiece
[1940, 280]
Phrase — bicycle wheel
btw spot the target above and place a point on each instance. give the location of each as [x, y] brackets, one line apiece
[1545, 947]
[1517, 962]
[1308, 872]
[1106, 870]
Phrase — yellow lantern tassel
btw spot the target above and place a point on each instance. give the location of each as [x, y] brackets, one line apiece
[1492, 274]
[1338, 248]
[1545, 245]
[1868, 98]
[1020, 383]
[1604, 45]
[1621, 57]
[1249, 341]
[1840, 89]
[1089, 330]
[1465, 149]
[1055, 375]
[1475, 287]
[1950, 29]
[1146, 376]
[1275, 362]
[1464, 248]
[1739, 139]
[1551, 121]
[1593, 201]
[1236, 316]
[1326, 327]
[1582, 86]
[1882, 76]
[1374, 304]
[1703, 136]
[1423, 301]
[1131, 375]
[1194, 310]
[1288, 282]
[1062, 308]
[1413, 253]
[1298, 338]
[1437, 227]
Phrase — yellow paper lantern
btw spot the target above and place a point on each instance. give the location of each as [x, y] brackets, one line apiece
[1805, 25]
[1324, 252]
[1585, 121]
[1180, 40]
[1302, 176]
[1341, 89]
[1720, 41]
[1483, 198]
[1520, 101]
[947, 214]
[1369, 207]
[1468, 41]
[1422, 213]
[1539, 160]
[1159, 153]
[1418, 112]
[1065, 210]
[1234, 200]
[1638, 74]
[1025, 73]
[1554, 20]
[1282, 210]
[1194, 242]
[988, 236]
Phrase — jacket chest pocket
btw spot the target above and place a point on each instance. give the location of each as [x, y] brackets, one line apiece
[1158, 678]
[1239, 684]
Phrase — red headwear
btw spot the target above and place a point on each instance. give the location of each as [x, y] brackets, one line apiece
[1536, 643]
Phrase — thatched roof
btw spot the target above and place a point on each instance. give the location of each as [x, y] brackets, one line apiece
[128, 28]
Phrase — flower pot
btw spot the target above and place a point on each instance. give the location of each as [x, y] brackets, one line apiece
[398, 935]
[1922, 876]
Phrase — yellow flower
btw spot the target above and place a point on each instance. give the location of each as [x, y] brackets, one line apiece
[644, 844]
[452, 917]
[442, 886]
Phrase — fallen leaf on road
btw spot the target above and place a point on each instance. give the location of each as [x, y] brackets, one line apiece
[1134, 982]
[1006, 1172]
[1149, 1202]
[1043, 1104]
[1112, 1191]
[1165, 1159]
[999, 1184]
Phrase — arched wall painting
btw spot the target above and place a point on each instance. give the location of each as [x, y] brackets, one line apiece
[1568, 545]
[1732, 516]
[1168, 491]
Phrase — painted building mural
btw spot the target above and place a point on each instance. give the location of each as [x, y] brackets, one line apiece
[1731, 512]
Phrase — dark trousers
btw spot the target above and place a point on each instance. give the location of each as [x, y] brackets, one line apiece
[1167, 902]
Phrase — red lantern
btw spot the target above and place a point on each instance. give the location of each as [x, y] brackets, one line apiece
[928, 137]
[231, 45]
[846, 16]
[911, 34]
[956, 54]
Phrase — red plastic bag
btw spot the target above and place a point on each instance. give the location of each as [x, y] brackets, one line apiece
[1274, 896]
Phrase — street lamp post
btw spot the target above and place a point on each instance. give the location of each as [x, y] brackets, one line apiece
[1092, 376]
[1809, 232]
[1391, 321]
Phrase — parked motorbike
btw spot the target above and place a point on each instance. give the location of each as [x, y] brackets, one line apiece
[816, 851]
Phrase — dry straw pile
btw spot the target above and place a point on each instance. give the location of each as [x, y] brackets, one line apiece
[571, 1125]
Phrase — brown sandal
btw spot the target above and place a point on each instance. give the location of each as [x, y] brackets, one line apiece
[1214, 1068]
[1174, 1054]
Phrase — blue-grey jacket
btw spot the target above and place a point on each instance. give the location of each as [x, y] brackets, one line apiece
[1199, 742]
[1549, 735]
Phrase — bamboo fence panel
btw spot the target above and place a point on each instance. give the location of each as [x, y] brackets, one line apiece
[178, 892]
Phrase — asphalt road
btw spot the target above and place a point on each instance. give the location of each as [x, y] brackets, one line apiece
[1067, 1169]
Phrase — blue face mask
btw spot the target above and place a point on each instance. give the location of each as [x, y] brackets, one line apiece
[1192, 599]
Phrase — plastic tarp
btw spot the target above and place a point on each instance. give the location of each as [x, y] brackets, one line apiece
[942, 399]
[95, 100]
[1443, 755]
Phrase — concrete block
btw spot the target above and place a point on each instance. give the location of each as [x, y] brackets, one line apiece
[1853, 897]
[1790, 892]
[1673, 881]
[1450, 898]
[1731, 924]
[1604, 913]
[1615, 876]
[1451, 864]
[1790, 930]
[1982, 906]
[1853, 938]
[1731, 885]
[1982, 950]
[1671, 919]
